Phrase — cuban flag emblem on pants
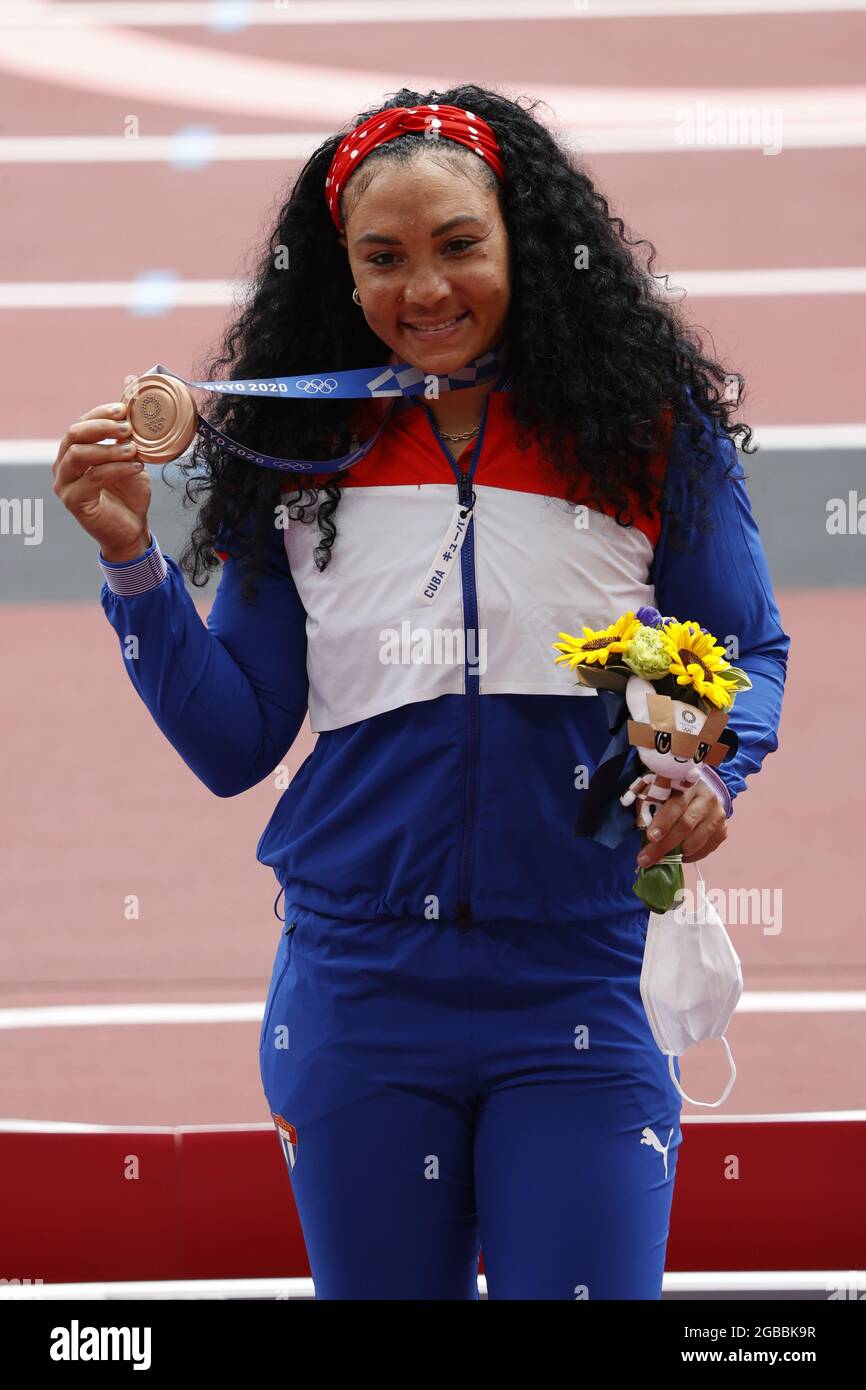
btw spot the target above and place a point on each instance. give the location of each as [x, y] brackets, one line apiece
[288, 1138]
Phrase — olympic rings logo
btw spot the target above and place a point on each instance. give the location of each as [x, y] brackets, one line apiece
[317, 384]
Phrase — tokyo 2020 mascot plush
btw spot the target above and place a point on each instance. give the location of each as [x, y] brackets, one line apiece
[668, 690]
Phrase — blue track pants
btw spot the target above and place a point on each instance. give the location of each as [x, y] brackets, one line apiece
[451, 1087]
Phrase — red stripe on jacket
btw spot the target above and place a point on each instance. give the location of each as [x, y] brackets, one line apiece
[409, 455]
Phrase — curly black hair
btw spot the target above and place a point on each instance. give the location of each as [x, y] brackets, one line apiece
[632, 361]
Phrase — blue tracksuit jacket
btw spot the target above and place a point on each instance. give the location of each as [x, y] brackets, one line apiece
[443, 782]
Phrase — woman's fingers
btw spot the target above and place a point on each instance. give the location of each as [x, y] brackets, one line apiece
[86, 488]
[88, 462]
[100, 480]
[114, 410]
[83, 435]
[687, 817]
[705, 847]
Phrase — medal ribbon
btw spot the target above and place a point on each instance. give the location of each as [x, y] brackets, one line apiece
[363, 383]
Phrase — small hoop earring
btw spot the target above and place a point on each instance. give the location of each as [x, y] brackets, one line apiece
[356, 296]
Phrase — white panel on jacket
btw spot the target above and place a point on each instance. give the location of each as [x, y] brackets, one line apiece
[539, 575]
[372, 646]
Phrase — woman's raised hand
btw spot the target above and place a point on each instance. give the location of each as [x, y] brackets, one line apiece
[105, 486]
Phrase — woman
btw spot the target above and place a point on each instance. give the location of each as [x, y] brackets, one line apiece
[454, 1047]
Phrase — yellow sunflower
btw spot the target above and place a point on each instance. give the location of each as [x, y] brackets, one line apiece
[696, 659]
[593, 648]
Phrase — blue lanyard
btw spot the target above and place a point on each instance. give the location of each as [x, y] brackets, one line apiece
[363, 383]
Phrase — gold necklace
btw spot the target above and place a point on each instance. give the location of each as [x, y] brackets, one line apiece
[467, 435]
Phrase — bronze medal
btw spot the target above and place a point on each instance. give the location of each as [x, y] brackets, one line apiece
[163, 416]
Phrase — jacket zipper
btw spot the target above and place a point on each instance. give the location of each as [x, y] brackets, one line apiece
[472, 682]
[472, 695]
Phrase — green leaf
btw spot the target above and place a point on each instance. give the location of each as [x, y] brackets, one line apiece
[659, 885]
[739, 678]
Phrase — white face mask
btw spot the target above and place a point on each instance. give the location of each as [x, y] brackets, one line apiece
[691, 981]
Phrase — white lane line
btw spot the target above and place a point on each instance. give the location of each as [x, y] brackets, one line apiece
[114, 1015]
[115, 149]
[196, 146]
[725, 284]
[20, 1126]
[802, 1001]
[799, 1117]
[148, 67]
[40, 453]
[815, 437]
[849, 1283]
[239, 14]
[288, 1288]
[842, 1282]
[27, 453]
[13, 1126]
[162, 291]
[32, 453]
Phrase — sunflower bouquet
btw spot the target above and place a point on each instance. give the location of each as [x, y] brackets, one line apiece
[668, 690]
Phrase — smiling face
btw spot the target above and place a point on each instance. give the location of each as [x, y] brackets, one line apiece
[428, 251]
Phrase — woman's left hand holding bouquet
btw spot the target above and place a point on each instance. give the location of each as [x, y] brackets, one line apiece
[692, 820]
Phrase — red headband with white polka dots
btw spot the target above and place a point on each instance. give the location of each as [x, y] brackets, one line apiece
[445, 122]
